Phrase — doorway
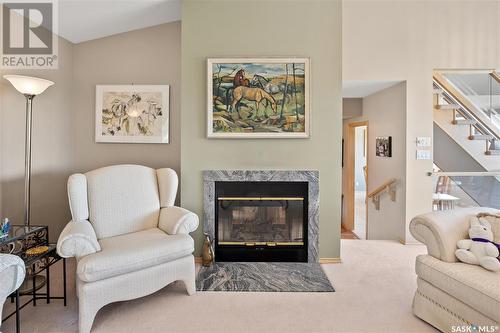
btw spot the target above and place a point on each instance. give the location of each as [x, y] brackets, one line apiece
[356, 218]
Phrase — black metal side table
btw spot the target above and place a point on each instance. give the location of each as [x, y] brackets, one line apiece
[20, 240]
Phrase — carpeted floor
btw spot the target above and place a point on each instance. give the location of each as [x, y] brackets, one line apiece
[374, 288]
[263, 277]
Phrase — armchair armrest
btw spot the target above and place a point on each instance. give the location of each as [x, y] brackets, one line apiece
[176, 220]
[77, 239]
[440, 231]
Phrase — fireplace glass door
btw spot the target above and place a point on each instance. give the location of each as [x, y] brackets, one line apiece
[260, 221]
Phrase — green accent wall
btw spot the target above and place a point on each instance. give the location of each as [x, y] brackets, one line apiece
[265, 29]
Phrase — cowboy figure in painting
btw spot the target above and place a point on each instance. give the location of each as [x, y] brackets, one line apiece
[259, 99]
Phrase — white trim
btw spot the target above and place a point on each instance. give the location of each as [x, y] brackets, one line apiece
[163, 138]
[307, 103]
[464, 70]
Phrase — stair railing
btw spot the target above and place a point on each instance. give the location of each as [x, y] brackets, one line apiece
[389, 186]
[467, 111]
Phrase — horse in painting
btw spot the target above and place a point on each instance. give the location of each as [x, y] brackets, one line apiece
[252, 94]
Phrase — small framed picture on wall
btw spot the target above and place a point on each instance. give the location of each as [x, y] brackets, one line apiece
[132, 113]
[383, 146]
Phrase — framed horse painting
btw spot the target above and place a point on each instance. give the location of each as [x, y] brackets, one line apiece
[258, 98]
[132, 113]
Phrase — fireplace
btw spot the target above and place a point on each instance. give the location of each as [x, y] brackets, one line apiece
[262, 215]
[261, 221]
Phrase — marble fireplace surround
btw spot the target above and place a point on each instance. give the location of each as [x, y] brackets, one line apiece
[309, 176]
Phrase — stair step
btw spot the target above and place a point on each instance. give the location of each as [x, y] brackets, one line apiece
[493, 152]
[448, 107]
[464, 122]
[437, 91]
[481, 137]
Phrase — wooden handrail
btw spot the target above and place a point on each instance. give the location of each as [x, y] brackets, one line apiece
[387, 186]
[382, 187]
[495, 75]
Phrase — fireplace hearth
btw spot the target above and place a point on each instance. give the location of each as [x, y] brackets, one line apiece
[266, 216]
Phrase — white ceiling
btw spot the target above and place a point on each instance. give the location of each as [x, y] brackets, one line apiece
[360, 89]
[83, 20]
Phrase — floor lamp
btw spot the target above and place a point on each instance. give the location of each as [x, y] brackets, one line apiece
[29, 87]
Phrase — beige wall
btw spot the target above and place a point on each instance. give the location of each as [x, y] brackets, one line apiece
[406, 40]
[146, 56]
[271, 28]
[352, 107]
[63, 139]
[385, 112]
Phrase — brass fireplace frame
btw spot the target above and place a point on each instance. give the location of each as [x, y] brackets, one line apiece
[260, 198]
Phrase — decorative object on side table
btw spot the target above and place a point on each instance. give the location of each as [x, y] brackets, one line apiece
[34, 251]
[258, 98]
[4, 229]
[132, 113]
[383, 144]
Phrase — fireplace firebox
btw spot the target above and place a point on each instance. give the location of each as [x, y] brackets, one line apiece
[261, 221]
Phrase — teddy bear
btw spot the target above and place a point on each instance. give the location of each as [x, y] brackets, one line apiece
[480, 248]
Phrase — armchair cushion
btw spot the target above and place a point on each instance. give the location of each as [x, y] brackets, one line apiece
[132, 252]
[77, 239]
[176, 220]
[122, 199]
[440, 231]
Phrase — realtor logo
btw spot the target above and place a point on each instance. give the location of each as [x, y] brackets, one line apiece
[29, 39]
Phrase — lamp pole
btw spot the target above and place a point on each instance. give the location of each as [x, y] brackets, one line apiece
[27, 159]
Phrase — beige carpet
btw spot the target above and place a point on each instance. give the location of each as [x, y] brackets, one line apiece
[374, 290]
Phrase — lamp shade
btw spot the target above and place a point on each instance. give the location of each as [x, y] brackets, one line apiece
[28, 85]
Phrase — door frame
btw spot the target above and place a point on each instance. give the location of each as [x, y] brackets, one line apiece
[349, 191]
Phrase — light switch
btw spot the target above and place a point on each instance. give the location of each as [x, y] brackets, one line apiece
[423, 141]
[423, 154]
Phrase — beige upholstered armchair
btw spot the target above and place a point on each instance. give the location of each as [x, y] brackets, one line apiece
[451, 294]
[128, 237]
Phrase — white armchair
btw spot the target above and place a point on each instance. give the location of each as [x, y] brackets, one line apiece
[128, 237]
[12, 272]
